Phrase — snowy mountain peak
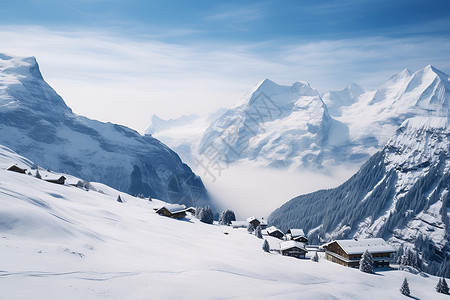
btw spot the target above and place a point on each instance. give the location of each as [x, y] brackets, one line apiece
[22, 86]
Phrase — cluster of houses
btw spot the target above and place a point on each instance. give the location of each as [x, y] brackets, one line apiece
[58, 180]
[294, 242]
[344, 252]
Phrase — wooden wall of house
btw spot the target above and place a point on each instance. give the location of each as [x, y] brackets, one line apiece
[334, 247]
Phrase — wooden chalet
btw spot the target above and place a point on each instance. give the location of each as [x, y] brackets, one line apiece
[293, 248]
[296, 235]
[176, 211]
[60, 180]
[191, 210]
[349, 252]
[17, 169]
[275, 232]
[254, 221]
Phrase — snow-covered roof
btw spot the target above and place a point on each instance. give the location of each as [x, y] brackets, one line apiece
[174, 208]
[291, 244]
[272, 229]
[375, 245]
[239, 223]
[249, 219]
[296, 232]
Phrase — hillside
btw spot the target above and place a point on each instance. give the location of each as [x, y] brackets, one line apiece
[36, 123]
[400, 194]
[64, 242]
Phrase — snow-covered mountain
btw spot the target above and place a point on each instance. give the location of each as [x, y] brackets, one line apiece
[36, 123]
[277, 126]
[294, 126]
[375, 116]
[182, 134]
[336, 100]
[64, 242]
[402, 193]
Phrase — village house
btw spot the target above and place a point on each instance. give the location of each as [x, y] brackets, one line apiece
[17, 169]
[349, 252]
[296, 235]
[254, 221]
[275, 232]
[175, 211]
[60, 180]
[293, 248]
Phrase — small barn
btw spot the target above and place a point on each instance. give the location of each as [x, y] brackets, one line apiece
[60, 180]
[275, 232]
[293, 248]
[349, 252]
[296, 235]
[176, 211]
[254, 221]
[17, 169]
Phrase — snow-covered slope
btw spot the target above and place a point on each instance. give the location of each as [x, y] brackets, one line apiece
[36, 123]
[336, 100]
[402, 194]
[63, 242]
[277, 126]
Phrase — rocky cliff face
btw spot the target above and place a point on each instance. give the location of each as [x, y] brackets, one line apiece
[36, 123]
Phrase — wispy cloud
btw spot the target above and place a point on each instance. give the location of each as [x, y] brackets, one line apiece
[122, 79]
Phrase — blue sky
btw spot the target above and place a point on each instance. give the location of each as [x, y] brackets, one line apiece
[122, 61]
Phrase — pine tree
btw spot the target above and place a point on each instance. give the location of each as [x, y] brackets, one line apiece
[206, 215]
[226, 217]
[250, 228]
[442, 286]
[258, 232]
[404, 289]
[119, 199]
[366, 262]
[38, 176]
[315, 258]
[266, 246]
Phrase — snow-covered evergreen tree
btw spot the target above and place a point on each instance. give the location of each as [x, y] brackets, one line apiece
[442, 286]
[404, 289]
[38, 176]
[266, 246]
[258, 232]
[366, 262]
[250, 228]
[206, 215]
[119, 199]
[315, 257]
[226, 217]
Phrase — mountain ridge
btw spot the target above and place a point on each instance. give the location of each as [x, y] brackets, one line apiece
[36, 123]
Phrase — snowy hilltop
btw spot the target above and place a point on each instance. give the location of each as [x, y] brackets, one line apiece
[35, 122]
[66, 242]
[296, 127]
[400, 194]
